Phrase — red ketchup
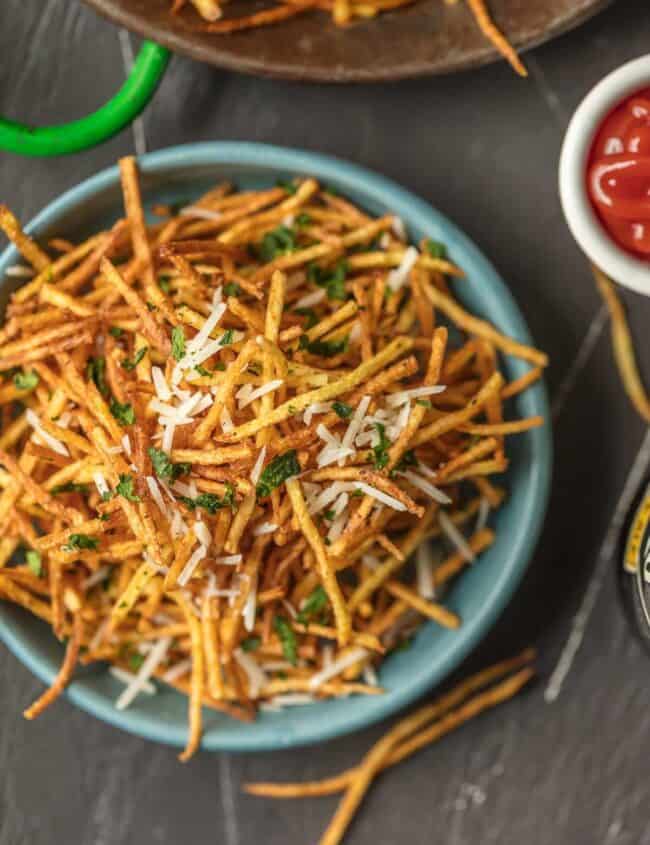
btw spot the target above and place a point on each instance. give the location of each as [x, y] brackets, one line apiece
[618, 174]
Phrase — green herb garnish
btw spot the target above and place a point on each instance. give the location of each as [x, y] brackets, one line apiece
[164, 468]
[435, 248]
[424, 403]
[287, 186]
[164, 283]
[96, 372]
[251, 644]
[278, 242]
[123, 413]
[226, 337]
[81, 541]
[303, 219]
[178, 343]
[125, 488]
[277, 472]
[288, 639]
[333, 280]
[380, 451]
[26, 381]
[315, 603]
[116, 331]
[210, 501]
[132, 363]
[232, 289]
[342, 409]
[310, 314]
[135, 661]
[324, 348]
[34, 562]
[69, 487]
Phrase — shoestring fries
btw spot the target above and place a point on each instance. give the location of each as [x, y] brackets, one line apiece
[224, 437]
[343, 12]
[424, 726]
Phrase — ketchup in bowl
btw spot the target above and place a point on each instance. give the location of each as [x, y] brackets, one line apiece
[618, 174]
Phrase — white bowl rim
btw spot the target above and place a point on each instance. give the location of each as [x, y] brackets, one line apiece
[583, 222]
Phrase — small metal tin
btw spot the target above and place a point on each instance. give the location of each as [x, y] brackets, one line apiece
[634, 568]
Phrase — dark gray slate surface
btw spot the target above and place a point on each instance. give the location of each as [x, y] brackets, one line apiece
[482, 147]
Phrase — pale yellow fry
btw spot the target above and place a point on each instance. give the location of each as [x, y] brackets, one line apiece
[325, 568]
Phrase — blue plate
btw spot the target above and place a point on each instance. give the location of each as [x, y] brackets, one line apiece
[180, 174]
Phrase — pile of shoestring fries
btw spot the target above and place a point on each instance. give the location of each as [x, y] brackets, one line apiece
[225, 433]
[343, 12]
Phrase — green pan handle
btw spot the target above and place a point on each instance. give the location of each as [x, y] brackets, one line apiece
[107, 121]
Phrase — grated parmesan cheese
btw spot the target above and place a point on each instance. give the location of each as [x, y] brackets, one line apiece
[149, 666]
[337, 666]
[397, 277]
[127, 677]
[455, 537]
[397, 399]
[259, 464]
[380, 496]
[257, 679]
[422, 484]
[54, 444]
[188, 570]
[311, 299]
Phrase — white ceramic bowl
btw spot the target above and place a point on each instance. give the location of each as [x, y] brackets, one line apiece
[583, 221]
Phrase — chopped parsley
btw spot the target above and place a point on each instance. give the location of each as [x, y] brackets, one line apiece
[69, 487]
[81, 541]
[34, 562]
[303, 219]
[132, 363]
[210, 501]
[280, 241]
[315, 603]
[408, 459]
[96, 372]
[287, 186]
[135, 661]
[26, 381]
[232, 289]
[251, 644]
[116, 331]
[164, 468]
[125, 488]
[324, 348]
[151, 306]
[277, 472]
[342, 409]
[310, 314]
[380, 451]
[424, 403]
[178, 342]
[435, 249]
[123, 413]
[226, 337]
[202, 371]
[164, 283]
[333, 280]
[287, 638]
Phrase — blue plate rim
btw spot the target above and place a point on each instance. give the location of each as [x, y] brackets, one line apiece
[385, 192]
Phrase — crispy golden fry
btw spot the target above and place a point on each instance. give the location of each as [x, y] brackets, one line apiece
[623, 346]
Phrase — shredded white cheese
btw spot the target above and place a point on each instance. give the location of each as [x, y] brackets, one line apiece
[380, 496]
[422, 484]
[188, 570]
[397, 277]
[257, 679]
[128, 677]
[310, 299]
[455, 537]
[259, 463]
[397, 399]
[337, 666]
[149, 666]
[54, 444]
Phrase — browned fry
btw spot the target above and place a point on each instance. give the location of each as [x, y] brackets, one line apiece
[23, 243]
[150, 328]
[264, 18]
[623, 346]
[493, 34]
[431, 609]
[196, 691]
[65, 672]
